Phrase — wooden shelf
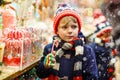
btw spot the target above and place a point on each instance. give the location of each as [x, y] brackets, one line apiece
[15, 72]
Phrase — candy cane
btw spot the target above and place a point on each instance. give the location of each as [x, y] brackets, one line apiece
[55, 43]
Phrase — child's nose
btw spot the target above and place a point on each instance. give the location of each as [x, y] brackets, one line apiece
[69, 29]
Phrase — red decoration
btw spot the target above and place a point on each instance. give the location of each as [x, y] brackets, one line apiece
[114, 51]
[77, 78]
[110, 70]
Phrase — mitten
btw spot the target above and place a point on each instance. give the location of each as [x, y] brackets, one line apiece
[78, 43]
[49, 60]
[97, 40]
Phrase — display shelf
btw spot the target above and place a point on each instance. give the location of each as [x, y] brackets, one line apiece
[9, 73]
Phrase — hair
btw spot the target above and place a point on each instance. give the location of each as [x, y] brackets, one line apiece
[67, 19]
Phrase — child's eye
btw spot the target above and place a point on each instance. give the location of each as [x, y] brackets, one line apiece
[64, 27]
[73, 26]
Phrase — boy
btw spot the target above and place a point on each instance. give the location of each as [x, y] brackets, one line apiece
[67, 58]
[103, 46]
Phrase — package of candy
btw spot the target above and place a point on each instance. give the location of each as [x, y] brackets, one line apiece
[18, 47]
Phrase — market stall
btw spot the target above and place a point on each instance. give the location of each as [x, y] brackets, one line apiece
[21, 41]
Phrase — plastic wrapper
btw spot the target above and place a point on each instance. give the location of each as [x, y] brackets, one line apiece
[18, 47]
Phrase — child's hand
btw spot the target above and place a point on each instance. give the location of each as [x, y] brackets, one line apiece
[78, 42]
[49, 60]
[78, 46]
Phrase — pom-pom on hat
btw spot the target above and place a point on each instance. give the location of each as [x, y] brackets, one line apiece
[101, 23]
[97, 13]
[62, 11]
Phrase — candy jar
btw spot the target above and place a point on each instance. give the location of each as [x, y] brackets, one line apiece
[8, 19]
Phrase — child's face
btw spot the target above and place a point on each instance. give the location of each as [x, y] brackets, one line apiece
[106, 35]
[68, 28]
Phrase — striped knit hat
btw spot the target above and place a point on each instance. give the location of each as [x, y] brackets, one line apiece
[101, 23]
[62, 11]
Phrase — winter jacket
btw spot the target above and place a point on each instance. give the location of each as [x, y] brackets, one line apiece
[87, 70]
[103, 57]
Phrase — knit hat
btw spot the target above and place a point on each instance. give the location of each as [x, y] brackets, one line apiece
[101, 23]
[62, 11]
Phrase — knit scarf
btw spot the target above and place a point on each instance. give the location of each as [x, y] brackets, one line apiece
[76, 44]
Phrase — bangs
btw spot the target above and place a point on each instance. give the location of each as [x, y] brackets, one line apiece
[65, 20]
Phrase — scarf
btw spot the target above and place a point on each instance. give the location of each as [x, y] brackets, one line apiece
[76, 44]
